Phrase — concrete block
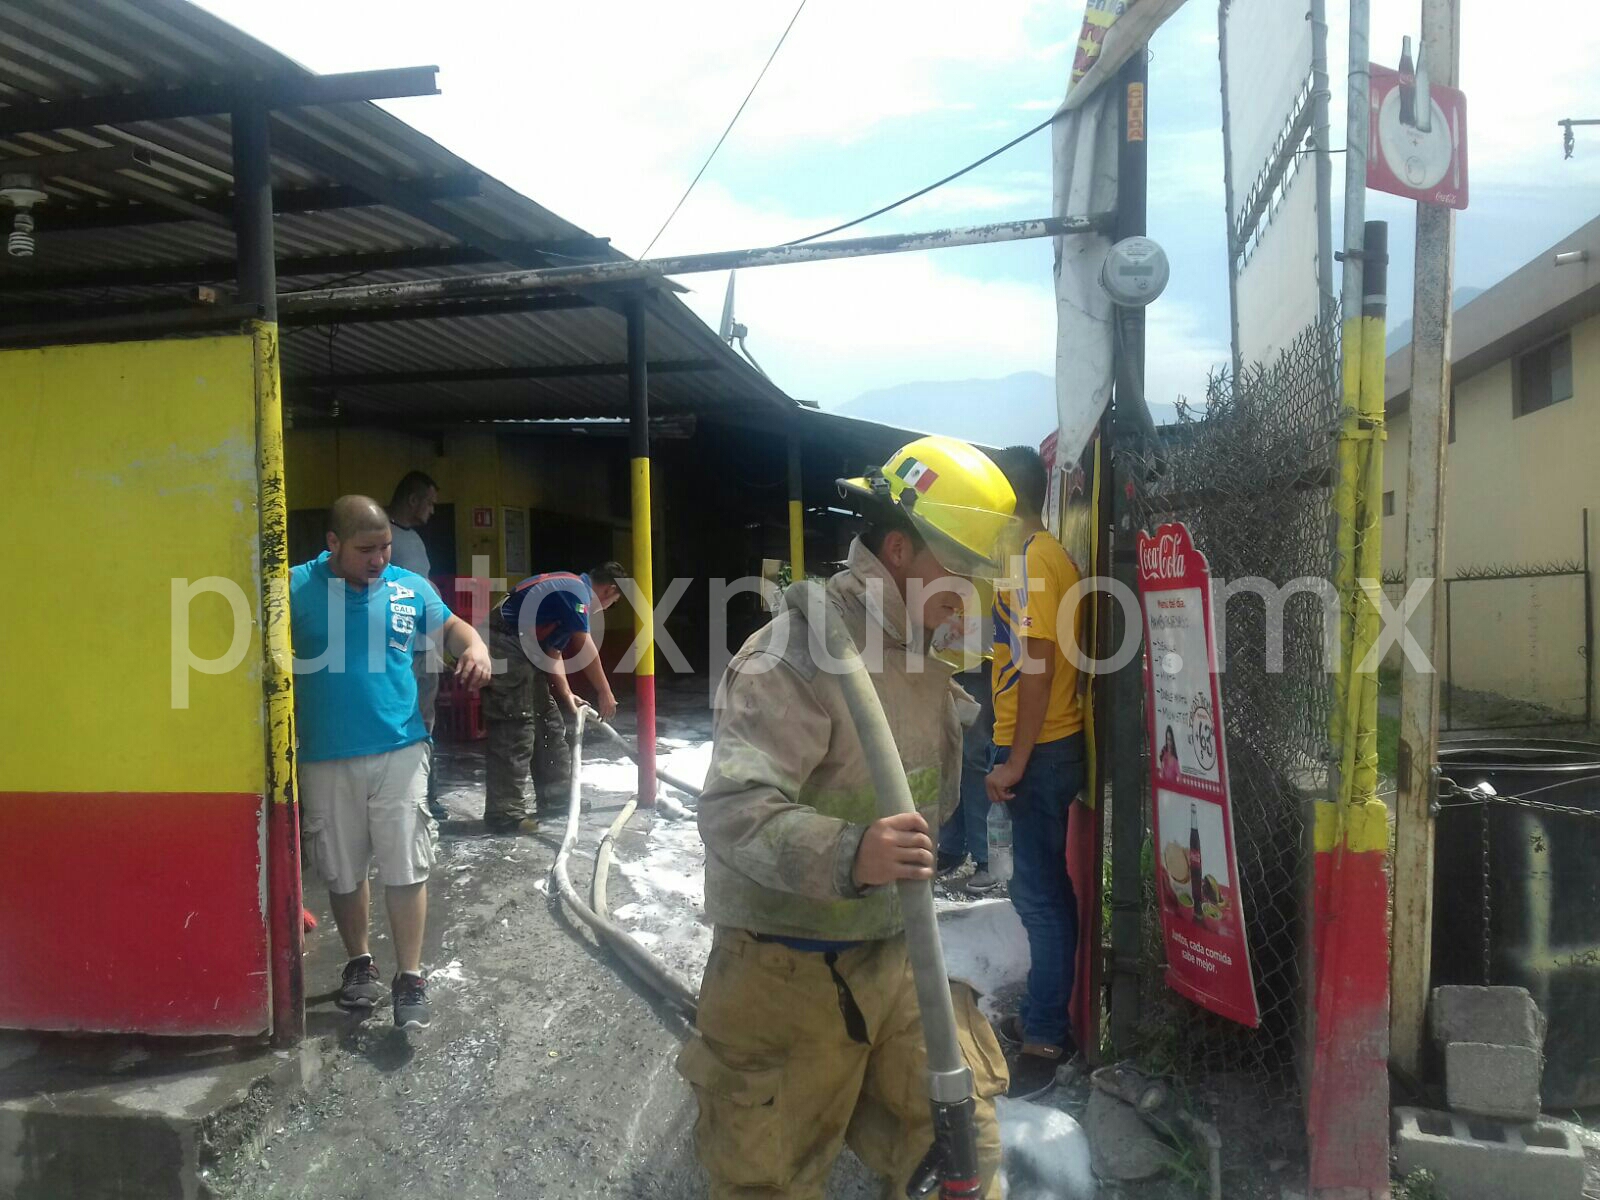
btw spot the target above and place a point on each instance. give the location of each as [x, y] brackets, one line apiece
[1493, 1081]
[122, 1118]
[1476, 1158]
[1501, 1016]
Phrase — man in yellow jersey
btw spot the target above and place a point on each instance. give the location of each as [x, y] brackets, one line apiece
[1038, 766]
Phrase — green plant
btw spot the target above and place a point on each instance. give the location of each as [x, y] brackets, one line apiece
[1389, 678]
[1388, 744]
[1419, 1185]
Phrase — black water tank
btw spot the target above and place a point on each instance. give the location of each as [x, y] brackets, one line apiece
[1543, 888]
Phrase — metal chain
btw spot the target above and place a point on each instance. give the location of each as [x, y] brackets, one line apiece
[1483, 797]
[1469, 796]
[1484, 890]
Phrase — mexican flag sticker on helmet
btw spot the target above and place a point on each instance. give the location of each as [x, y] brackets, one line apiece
[918, 475]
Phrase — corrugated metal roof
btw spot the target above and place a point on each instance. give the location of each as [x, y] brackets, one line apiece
[56, 51]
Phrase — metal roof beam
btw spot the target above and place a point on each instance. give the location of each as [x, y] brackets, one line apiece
[432, 312]
[494, 374]
[12, 282]
[284, 200]
[33, 313]
[206, 100]
[590, 277]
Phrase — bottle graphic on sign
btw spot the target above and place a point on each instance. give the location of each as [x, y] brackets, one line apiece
[1195, 872]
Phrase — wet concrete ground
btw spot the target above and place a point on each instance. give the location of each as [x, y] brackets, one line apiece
[546, 1072]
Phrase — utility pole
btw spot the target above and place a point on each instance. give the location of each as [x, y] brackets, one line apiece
[1440, 58]
[1125, 694]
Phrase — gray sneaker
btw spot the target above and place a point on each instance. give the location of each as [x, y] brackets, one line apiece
[411, 1002]
[981, 881]
[359, 990]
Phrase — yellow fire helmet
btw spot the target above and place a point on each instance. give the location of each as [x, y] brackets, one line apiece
[957, 499]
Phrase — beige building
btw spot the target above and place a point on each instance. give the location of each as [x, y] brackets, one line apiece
[1522, 471]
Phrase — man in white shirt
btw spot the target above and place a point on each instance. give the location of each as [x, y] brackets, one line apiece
[414, 498]
[409, 511]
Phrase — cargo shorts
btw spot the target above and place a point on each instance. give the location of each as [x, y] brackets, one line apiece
[371, 807]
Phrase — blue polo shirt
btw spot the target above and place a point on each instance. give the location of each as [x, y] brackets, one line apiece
[354, 690]
[561, 603]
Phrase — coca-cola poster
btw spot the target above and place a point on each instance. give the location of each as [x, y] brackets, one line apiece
[1197, 871]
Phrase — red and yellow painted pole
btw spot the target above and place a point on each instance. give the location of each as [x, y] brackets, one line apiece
[284, 931]
[643, 549]
[1348, 1110]
[797, 519]
[258, 283]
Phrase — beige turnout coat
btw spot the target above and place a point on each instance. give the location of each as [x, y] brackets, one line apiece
[788, 795]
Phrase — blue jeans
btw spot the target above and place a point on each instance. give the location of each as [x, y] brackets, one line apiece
[1041, 890]
[967, 830]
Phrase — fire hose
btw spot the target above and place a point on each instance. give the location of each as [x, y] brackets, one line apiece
[951, 1165]
[640, 961]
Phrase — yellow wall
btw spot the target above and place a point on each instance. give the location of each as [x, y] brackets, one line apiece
[1515, 491]
[123, 467]
[557, 474]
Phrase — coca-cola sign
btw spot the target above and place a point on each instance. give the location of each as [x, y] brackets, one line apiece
[1162, 557]
[1197, 868]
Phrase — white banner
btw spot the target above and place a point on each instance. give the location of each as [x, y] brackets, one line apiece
[1086, 143]
[1084, 152]
[1269, 64]
[1277, 285]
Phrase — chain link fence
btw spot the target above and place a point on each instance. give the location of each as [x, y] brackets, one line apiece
[1252, 474]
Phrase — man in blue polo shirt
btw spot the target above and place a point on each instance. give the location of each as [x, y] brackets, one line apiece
[541, 625]
[356, 621]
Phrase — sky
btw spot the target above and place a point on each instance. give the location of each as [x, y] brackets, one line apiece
[602, 112]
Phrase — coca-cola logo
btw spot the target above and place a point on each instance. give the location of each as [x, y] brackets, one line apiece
[1162, 557]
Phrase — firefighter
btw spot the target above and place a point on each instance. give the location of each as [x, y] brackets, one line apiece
[809, 1035]
[543, 620]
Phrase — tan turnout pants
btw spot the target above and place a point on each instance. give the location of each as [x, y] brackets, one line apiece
[782, 1085]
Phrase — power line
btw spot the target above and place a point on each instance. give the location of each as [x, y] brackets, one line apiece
[972, 166]
[726, 131]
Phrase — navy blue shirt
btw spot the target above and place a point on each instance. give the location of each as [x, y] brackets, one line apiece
[354, 690]
[561, 603]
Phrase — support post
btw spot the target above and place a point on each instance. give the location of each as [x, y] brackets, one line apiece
[258, 285]
[1424, 559]
[797, 522]
[1347, 1023]
[1125, 693]
[1321, 93]
[252, 211]
[1227, 195]
[643, 574]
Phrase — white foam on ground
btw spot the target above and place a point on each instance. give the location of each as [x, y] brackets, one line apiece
[687, 761]
[985, 947]
[667, 916]
[448, 975]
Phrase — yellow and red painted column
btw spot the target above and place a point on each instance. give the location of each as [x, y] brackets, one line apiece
[258, 284]
[284, 898]
[1348, 1108]
[643, 550]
